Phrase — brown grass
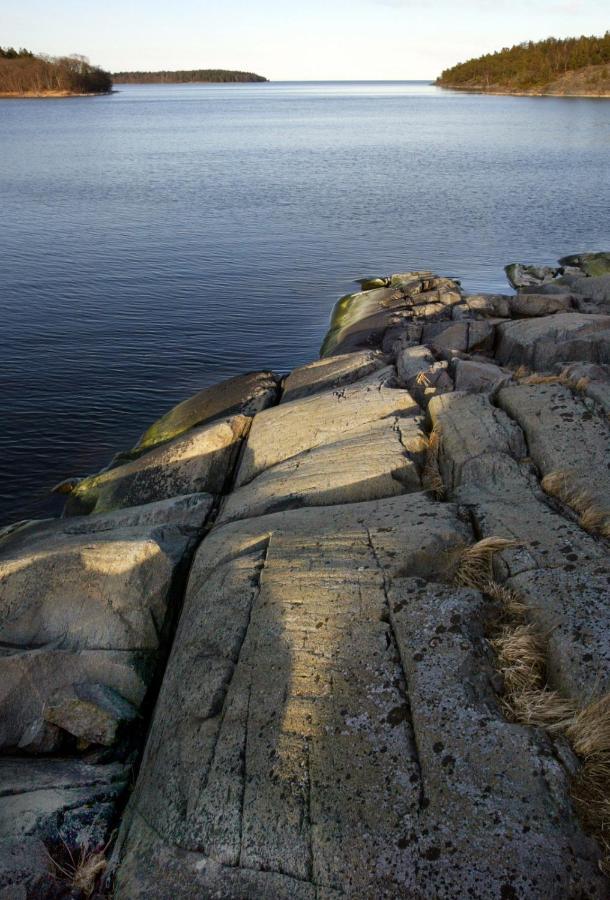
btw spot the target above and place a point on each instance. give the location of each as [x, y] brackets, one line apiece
[82, 871]
[432, 479]
[589, 733]
[544, 379]
[475, 565]
[524, 376]
[581, 385]
[563, 484]
[422, 379]
[521, 655]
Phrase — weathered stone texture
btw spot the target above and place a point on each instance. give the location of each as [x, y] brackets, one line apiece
[345, 697]
[333, 372]
[289, 429]
[197, 462]
[566, 337]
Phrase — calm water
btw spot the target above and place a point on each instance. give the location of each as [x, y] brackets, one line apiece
[160, 239]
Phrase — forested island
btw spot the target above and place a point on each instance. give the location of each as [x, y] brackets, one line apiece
[187, 76]
[25, 74]
[577, 66]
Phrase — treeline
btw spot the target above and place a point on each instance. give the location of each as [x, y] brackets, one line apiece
[213, 76]
[11, 53]
[529, 65]
[22, 72]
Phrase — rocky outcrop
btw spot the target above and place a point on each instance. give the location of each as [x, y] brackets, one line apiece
[337, 716]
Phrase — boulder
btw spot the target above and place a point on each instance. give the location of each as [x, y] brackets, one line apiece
[359, 321]
[532, 305]
[472, 429]
[82, 602]
[451, 340]
[565, 439]
[419, 372]
[565, 337]
[476, 377]
[32, 678]
[592, 264]
[199, 461]
[243, 395]
[290, 429]
[333, 372]
[92, 712]
[521, 275]
[489, 305]
[379, 460]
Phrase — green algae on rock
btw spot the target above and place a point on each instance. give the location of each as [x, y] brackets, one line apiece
[245, 394]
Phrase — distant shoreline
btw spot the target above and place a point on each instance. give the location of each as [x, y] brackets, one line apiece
[51, 95]
[499, 92]
[188, 76]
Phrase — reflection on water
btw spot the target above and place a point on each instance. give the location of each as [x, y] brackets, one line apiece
[165, 237]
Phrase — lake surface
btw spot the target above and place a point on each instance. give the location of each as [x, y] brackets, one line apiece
[157, 240]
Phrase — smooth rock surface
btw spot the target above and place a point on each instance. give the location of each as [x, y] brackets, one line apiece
[289, 429]
[382, 459]
[245, 395]
[300, 670]
[197, 462]
[565, 337]
[471, 429]
[476, 377]
[347, 697]
[564, 437]
[333, 372]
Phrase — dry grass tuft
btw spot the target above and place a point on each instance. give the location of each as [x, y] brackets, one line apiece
[543, 708]
[521, 657]
[432, 479]
[82, 871]
[591, 796]
[475, 566]
[563, 484]
[422, 379]
[545, 379]
[590, 731]
[578, 385]
[513, 609]
[581, 385]
[595, 521]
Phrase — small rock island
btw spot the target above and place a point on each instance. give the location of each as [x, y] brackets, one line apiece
[337, 633]
[188, 76]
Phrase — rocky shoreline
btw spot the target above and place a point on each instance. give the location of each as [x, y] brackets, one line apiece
[357, 616]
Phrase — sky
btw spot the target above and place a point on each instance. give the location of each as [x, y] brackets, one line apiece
[284, 40]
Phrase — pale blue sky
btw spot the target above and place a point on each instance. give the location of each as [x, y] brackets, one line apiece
[319, 39]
